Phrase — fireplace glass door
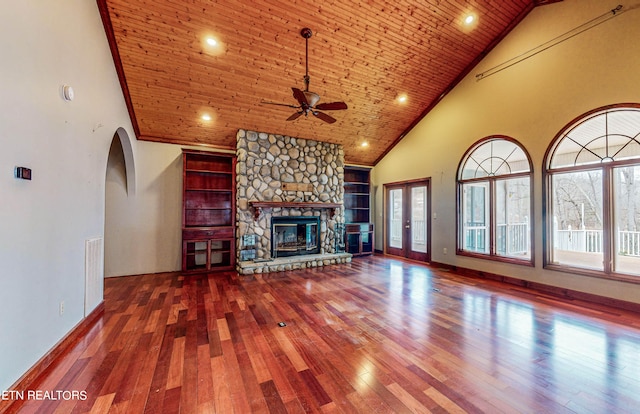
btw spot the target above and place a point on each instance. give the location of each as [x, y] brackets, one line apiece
[295, 236]
[286, 237]
[311, 239]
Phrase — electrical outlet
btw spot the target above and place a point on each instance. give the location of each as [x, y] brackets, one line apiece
[61, 308]
[444, 250]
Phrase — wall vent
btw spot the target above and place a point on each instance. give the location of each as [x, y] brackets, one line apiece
[93, 273]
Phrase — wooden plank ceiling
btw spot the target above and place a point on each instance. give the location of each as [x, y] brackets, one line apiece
[365, 53]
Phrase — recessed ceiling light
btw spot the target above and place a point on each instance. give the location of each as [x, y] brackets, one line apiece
[468, 21]
[364, 144]
[211, 44]
[206, 117]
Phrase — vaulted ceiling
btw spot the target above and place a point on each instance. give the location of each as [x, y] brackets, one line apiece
[366, 53]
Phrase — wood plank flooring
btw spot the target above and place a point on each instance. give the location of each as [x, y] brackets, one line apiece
[379, 335]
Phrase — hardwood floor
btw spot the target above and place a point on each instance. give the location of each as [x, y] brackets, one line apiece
[378, 335]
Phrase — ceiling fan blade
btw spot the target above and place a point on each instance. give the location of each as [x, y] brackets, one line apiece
[280, 104]
[331, 106]
[300, 96]
[326, 118]
[295, 116]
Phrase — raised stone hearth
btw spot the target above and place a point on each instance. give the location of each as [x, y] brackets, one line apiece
[281, 264]
[293, 177]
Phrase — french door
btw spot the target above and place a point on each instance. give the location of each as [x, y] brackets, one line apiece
[407, 213]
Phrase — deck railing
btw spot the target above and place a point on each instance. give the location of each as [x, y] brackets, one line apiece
[511, 239]
[590, 241]
[396, 232]
[418, 232]
[475, 238]
[629, 243]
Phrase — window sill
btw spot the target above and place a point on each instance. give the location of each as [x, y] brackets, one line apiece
[620, 277]
[495, 258]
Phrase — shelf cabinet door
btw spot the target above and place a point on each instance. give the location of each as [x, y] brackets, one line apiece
[195, 255]
[220, 253]
[205, 255]
[366, 242]
[353, 243]
[359, 238]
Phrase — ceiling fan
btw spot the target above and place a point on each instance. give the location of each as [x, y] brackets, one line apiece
[307, 100]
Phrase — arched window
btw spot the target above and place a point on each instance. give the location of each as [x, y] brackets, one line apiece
[592, 193]
[494, 201]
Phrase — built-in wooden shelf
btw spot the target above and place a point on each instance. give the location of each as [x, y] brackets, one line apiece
[259, 205]
[357, 211]
[208, 211]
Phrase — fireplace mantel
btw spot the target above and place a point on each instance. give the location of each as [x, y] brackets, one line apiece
[259, 205]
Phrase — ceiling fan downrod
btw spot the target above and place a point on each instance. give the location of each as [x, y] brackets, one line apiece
[306, 33]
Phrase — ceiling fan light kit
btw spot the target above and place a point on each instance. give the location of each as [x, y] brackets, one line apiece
[307, 100]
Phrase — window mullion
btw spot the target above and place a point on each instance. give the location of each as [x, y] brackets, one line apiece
[492, 217]
[608, 232]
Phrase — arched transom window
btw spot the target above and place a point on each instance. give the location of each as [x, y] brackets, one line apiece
[592, 171]
[494, 201]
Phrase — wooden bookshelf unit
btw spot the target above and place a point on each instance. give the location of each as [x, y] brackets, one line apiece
[208, 219]
[357, 211]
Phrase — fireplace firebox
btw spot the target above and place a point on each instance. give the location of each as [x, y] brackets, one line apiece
[294, 236]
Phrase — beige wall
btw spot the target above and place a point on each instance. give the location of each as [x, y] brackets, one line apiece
[74, 194]
[531, 102]
[44, 222]
[143, 227]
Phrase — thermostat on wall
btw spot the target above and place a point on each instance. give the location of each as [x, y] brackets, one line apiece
[23, 172]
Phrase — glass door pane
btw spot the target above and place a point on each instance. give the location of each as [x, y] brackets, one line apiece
[419, 219]
[475, 200]
[626, 234]
[577, 219]
[395, 218]
[512, 214]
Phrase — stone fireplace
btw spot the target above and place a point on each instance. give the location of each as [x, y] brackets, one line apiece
[280, 177]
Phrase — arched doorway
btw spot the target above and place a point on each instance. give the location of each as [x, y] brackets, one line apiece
[120, 187]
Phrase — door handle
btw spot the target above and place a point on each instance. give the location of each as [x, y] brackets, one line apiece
[407, 226]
